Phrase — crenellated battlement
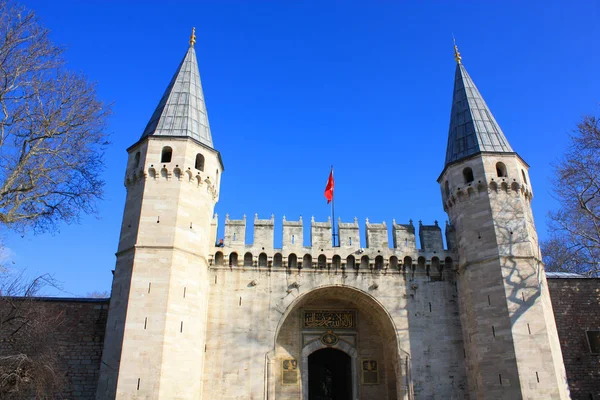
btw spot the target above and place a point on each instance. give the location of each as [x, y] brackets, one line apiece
[320, 253]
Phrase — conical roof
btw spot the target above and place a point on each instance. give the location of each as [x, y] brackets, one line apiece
[181, 111]
[473, 128]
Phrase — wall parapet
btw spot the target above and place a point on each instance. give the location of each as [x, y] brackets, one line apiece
[321, 254]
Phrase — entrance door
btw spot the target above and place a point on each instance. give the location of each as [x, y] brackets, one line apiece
[329, 375]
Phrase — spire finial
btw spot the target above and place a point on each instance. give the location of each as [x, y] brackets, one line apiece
[457, 56]
[193, 37]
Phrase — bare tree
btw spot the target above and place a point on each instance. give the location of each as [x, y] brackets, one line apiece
[29, 362]
[98, 295]
[51, 129]
[574, 245]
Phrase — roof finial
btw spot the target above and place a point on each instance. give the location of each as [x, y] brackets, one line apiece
[457, 56]
[193, 37]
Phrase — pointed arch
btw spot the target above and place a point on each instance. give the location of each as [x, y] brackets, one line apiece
[307, 261]
[322, 261]
[468, 175]
[219, 258]
[166, 155]
[199, 164]
[233, 259]
[292, 261]
[262, 260]
[248, 259]
[277, 260]
[350, 262]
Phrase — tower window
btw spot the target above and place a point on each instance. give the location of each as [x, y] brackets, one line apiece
[594, 341]
[166, 155]
[199, 162]
[468, 175]
[293, 239]
[447, 188]
[136, 160]
[501, 170]
[524, 177]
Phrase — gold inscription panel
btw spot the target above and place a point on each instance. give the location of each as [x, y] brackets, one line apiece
[289, 372]
[336, 319]
[370, 372]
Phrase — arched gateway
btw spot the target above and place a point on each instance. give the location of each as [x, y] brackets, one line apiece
[336, 343]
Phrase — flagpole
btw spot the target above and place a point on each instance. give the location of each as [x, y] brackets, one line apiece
[333, 215]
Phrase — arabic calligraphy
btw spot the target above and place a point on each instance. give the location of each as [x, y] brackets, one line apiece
[330, 319]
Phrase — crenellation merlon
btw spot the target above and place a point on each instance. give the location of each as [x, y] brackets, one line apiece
[348, 233]
[235, 231]
[264, 231]
[403, 236]
[320, 233]
[377, 234]
[430, 237]
[293, 232]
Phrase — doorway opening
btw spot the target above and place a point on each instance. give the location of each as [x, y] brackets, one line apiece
[329, 375]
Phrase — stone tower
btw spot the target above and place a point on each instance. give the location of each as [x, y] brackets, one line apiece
[510, 338]
[156, 329]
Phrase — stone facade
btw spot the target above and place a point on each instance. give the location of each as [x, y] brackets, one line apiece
[191, 320]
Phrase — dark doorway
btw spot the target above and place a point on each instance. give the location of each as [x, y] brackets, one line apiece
[329, 375]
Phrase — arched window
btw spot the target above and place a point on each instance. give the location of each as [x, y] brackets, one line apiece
[336, 261]
[136, 160]
[233, 259]
[199, 162]
[468, 175]
[219, 259]
[421, 262]
[435, 264]
[448, 263]
[293, 238]
[277, 260]
[307, 261]
[524, 177]
[379, 262]
[501, 170]
[447, 188]
[407, 263]
[292, 261]
[364, 262]
[322, 261]
[350, 262]
[166, 155]
[394, 262]
[248, 260]
[262, 260]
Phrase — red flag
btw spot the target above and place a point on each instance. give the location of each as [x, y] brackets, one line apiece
[329, 187]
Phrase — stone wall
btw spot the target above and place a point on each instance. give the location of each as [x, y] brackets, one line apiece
[408, 323]
[80, 336]
[576, 304]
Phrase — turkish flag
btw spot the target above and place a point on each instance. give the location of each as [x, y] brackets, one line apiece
[329, 187]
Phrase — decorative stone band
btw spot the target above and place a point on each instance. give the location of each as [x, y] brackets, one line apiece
[474, 190]
[158, 172]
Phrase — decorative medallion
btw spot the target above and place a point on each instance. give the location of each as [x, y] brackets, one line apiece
[289, 372]
[329, 338]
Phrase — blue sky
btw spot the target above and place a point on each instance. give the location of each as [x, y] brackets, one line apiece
[294, 87]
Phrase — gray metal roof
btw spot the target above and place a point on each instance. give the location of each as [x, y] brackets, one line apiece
[181, 110]
[473, 128]
[564, 275]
